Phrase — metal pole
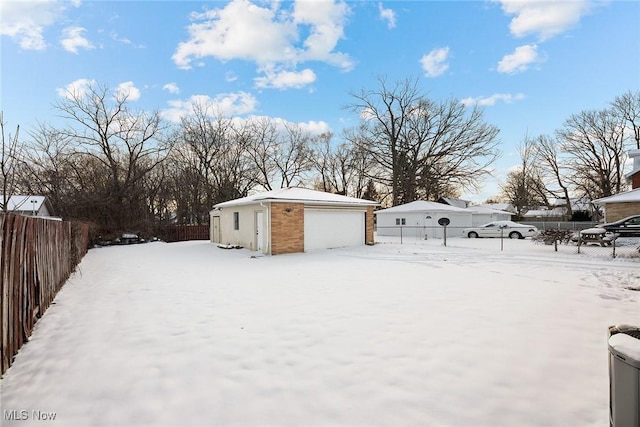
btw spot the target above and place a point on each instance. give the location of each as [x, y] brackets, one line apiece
[445, 235]
[502, 239]
[613, 243]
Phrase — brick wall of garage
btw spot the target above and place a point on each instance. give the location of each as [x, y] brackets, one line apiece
[616, 211]
[287, 228]
[368, 238]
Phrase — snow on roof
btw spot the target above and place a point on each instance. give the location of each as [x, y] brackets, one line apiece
[458, 203]
[635, 155]
[423, 206]
[23, 203]
[542, 213]
[581, 204]
[626, 197]
[487, 210]
[296, 194]
[499, 206]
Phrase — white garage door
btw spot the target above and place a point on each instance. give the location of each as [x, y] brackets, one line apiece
[333, 228]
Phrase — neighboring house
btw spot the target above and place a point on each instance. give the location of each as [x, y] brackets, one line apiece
[634, 175]
[556, 214]
[420, 219]
[29, 205]
[620, 205]
[506, 207]
[561, 207]
[559, 210]
[482, 215]
[625, 204]
[291, 220]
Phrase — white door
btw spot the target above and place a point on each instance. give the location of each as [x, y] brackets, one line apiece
[259, 231]
[325, 228]
[215, 233]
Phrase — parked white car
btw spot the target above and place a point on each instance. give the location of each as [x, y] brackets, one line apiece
[510, 229]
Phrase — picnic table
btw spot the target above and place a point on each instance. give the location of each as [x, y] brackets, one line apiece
[596, 235]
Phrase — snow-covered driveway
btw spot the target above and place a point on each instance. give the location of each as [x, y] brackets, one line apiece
[187, 334]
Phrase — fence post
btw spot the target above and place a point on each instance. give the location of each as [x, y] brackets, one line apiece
[613, 243]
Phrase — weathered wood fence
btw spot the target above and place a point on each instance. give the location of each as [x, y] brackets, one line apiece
[180, 233]
[37, 257]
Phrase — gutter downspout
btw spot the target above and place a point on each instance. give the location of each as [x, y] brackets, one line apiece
[268, 228]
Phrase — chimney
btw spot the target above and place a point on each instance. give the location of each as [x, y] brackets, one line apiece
[634, 176]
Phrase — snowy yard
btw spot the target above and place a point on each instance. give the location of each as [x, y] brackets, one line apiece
[187, 334]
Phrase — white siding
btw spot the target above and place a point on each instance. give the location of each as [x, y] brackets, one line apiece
[421, 224]
[245, 236]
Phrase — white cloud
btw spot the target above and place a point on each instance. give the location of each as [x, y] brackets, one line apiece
[286, 79]
[76, 89]
[519, 60]
[315, 128]
[241, 30]
[127, 90]
[226, 104]
[544, 18]
[325, 22]
[489, 101]
[26, 21]
[312, 127]
[73, 38]
[387, 15]
[435, 63]
[171, 88]
[272, 37]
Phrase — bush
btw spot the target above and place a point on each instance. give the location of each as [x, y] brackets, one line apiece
[581, 216]
[553, 236]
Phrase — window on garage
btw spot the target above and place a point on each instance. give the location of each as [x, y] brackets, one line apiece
[401, 221]
[236, 220]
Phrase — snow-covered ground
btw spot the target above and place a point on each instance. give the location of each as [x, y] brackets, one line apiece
[187, 334]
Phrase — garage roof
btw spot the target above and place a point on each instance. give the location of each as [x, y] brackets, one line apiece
[627, 196]
[296, 194]
[423, 206]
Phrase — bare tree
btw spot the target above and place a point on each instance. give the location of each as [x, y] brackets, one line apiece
[292, 155]
[595, 143]
[263, 137]
[342, 169]
[10, 162]
[210, 164]
[48, 167]
[450, 146]
[547, 152]
[422, 148]
[280, 151]
[524, 188]
[384, 113]
[627, 106]
[114, 148]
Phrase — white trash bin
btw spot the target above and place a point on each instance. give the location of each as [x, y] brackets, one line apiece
[624, 376]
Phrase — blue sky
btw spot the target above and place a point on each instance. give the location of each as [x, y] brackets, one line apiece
[530, 64]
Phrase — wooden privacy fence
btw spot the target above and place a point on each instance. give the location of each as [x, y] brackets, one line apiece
[37, 257]
[180, 233]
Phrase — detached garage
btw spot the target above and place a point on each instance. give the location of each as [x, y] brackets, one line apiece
[292, 220]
